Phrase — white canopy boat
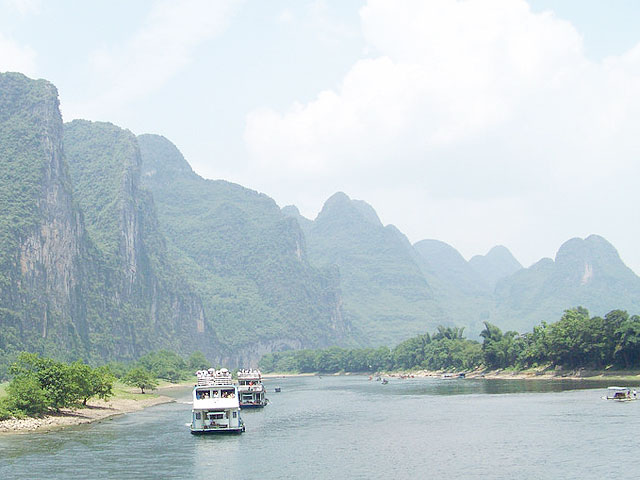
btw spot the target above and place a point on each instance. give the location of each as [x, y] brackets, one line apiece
[621, 394]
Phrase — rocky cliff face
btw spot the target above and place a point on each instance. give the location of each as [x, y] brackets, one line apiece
[43, 238]
[101, 291]
[248, 260]
[162, 310]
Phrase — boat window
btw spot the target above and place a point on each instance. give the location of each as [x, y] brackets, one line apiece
[201, 394]
[198, 416]
[235, 414]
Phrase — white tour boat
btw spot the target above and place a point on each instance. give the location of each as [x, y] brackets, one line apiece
[251, 389]
[216, 406]
[621, 394]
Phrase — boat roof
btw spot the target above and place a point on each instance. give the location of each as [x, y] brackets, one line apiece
[618, 388]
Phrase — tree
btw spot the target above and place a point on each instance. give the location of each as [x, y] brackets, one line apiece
[628, 342]
[80, 376]
[26, 395]
[197, 361]
[90, 382]
[54, 378]
[102, 382]
[141, 378]
[164, 364]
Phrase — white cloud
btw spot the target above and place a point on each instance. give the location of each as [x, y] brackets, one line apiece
[16, 58]
[24, 7]
[286, 16]
[476, 101]
[161, 48]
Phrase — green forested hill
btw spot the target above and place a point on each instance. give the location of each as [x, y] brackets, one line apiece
[111, 246]
[586, 272]
[464, 295]
[101, 291]
[146, 299]
[497, 264]
[385, 293]
[247, 260]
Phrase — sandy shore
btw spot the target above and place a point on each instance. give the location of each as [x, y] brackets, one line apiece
[96, 410]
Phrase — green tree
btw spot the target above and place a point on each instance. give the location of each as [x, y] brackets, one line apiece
[55, 378]
[197, 361]
[164, 364]
[26, 395]
[141, 378]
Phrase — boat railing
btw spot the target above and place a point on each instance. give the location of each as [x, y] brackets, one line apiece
[213, 377]
[250, 374]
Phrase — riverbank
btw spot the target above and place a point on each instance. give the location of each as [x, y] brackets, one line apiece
[126, 400]
[631, 376]
[533, 374]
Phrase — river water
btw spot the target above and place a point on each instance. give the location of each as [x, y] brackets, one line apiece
[350, 427]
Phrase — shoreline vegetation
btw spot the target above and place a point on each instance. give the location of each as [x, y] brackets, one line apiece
[45, 394]
[577, 343]
[499, 374]
[125, 400]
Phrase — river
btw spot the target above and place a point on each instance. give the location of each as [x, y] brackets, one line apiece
[350, 427]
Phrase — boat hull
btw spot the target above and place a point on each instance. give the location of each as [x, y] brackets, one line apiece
[218, 431]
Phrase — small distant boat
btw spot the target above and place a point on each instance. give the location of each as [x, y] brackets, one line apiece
[621, 394]
[448, 376]
[384, 381]
[277, 389]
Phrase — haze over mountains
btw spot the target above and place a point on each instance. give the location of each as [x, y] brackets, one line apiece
[111, 246]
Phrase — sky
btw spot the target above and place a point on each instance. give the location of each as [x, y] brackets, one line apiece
[474, 122]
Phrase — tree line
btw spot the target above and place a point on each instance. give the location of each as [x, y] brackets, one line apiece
[576, 340]
[39, 384]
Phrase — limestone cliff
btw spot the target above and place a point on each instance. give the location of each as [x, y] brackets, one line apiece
[162, 310]
[100, 292]
[247, 260]
[42, 238]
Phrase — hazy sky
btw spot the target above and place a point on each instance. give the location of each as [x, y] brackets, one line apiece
[473, 122]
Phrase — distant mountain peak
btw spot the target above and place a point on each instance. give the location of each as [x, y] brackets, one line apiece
[592, 249]
[291, 211]
[497, 264]
[340, 205]
[167, 159]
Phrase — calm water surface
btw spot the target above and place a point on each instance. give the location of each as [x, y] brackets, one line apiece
[350, 427]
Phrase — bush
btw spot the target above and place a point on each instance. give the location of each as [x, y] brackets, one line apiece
[26, 395]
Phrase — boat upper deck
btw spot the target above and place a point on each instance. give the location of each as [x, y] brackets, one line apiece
[245, 376]
[214, 377]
